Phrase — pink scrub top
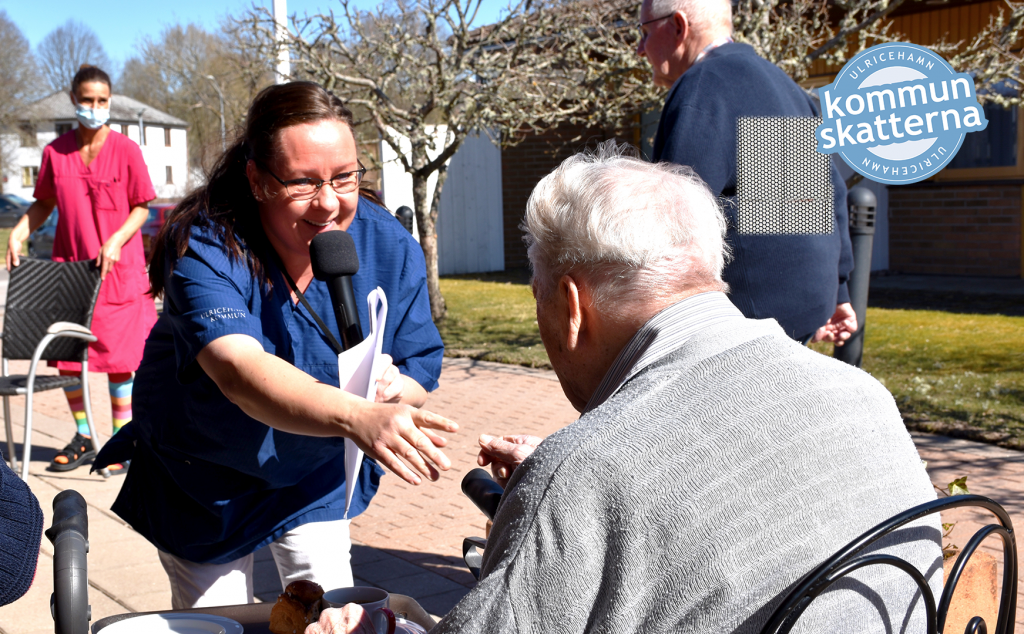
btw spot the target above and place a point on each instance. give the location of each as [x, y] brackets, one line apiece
[93, 203]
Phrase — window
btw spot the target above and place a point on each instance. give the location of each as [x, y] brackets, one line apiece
[63, 128]
[27, 134]
[170, 176]
[167, 137]
[996, 145]
[29, 174]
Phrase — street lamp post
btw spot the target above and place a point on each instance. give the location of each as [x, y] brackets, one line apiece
[142, 128]
[284, 66]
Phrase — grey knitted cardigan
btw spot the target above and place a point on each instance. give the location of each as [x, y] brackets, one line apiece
[703, 489]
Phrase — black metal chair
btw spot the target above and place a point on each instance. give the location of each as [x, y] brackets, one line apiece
[47, 318]
[847, 560]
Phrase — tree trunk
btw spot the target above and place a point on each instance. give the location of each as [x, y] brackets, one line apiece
[426, 218]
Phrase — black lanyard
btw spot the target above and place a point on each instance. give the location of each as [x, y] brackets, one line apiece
[302, 298]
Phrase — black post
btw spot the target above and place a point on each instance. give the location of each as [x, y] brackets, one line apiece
[861, 202]
[404, 215]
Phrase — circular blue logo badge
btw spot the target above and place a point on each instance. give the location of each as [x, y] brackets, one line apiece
[898, 113]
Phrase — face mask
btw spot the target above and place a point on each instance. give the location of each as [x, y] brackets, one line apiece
[92, 118]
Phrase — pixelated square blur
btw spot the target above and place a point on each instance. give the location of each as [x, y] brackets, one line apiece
[782, 182]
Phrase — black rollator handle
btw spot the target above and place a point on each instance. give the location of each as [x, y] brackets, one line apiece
[69, 604]
[480, 487]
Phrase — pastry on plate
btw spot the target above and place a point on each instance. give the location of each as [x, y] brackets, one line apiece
[296, 607]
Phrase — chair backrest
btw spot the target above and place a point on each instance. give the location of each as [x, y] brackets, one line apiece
[40, 293]
[847, 560]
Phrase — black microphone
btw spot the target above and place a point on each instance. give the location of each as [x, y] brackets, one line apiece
[333, 254]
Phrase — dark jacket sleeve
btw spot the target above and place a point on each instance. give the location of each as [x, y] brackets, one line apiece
[843, 227]
[21, 530]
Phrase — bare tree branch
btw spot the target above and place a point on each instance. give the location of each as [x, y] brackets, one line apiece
[413, 65]
[65, 49]
[205, 78]
[18, 88]
[416, 66]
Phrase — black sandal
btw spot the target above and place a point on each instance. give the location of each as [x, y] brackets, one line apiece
[77, 452]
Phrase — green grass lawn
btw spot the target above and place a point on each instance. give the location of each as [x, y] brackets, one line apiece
[958, 374]
[952, 373]
[492, 321]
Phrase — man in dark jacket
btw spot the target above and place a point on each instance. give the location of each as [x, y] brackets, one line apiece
[797, 279]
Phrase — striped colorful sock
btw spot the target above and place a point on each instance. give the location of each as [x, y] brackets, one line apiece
[74, 396]
[121, 398]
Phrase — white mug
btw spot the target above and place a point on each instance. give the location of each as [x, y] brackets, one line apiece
[374, 600]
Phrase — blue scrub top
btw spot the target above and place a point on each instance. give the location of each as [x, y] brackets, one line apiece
[210, 484]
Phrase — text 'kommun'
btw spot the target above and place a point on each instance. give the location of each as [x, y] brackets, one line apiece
[897, 113]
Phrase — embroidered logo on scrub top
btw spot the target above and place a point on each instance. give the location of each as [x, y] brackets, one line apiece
[216, 314]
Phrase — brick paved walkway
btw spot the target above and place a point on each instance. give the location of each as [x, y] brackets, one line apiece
[409, 541]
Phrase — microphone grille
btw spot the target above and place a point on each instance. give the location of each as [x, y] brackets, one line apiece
[333, 253]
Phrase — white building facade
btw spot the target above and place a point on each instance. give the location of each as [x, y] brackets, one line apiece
[470, 232]
[164, 143]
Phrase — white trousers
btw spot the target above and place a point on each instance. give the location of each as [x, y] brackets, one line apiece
[319, 552]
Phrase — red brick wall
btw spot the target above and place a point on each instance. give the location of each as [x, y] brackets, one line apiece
[956, 229]
[522, 167]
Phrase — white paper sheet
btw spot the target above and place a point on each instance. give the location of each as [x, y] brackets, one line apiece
[358, 369]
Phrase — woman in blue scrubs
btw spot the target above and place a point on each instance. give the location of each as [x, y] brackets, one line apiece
[239, 422]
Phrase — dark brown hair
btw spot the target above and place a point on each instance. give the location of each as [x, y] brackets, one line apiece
[87, 73]
[226, 203]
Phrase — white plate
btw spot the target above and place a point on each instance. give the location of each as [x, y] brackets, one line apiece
[175, 624]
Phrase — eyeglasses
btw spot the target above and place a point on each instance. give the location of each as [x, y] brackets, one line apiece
[643, 35]
[308, 188]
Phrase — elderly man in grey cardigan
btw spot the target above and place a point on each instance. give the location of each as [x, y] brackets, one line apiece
[715, 462]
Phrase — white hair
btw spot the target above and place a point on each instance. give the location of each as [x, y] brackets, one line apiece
[635, 231]
[707, 17]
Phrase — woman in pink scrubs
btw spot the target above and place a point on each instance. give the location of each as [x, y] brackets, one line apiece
[99, 182]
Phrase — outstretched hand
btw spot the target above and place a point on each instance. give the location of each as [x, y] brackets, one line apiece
[505, 454]
[403, 439]
[839, 327]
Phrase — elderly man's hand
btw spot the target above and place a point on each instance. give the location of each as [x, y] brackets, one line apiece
[351, 619]
[505, 454]
[840, 327]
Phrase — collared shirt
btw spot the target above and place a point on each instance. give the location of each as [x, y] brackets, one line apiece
[712, 46]
[663, 333]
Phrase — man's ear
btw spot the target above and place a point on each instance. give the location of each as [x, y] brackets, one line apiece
[575, 320]
[681, 24]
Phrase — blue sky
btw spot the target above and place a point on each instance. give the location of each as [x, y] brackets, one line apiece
[121, 23]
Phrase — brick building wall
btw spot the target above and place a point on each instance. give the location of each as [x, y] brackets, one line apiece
[956, 228]
[522, 167]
